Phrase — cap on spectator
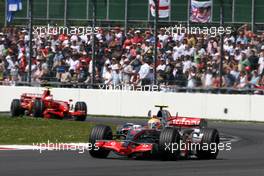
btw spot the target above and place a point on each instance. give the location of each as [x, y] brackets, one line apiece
[168, 52]
[247, 68]
[126, 60]
[149, 51]
[137, 31]
[127, 47]
[262, 47]
[162, 59]
[138, 56]
[8, 57]
[107, 62]
[178, 65]
[1, 33]
[147, 32]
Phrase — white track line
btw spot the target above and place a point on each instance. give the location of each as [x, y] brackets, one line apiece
[42, 146]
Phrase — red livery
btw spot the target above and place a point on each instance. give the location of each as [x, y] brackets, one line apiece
[43, 105]
[164, 136]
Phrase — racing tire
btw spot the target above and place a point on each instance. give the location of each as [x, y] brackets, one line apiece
[100, 132]
[80, 106]
[15, 108]
[209, 144]
[38, 108]
[169, 144]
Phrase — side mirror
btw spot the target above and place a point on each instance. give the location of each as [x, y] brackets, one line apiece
[149, 114]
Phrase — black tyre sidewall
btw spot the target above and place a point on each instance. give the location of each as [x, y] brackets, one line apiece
[38, 108]
[210, 136]
[100, 132]
[80, 106]
[168, 137]
[15, 108]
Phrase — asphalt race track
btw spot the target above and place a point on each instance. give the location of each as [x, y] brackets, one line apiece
[245, 159]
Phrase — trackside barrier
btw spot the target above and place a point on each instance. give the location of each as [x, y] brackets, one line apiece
[138, 103]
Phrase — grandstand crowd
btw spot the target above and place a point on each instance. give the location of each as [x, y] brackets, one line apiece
[184, 60]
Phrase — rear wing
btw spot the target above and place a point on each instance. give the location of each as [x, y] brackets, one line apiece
[161, 106]
[35, 95]
[187, 122]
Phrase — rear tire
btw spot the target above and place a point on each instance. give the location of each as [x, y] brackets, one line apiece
[80, 106]
[169, 139]
[38, 108]
[101, 132]
[209, 144]
[16, 109]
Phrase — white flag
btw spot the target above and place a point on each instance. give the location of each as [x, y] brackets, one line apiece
[164, 8]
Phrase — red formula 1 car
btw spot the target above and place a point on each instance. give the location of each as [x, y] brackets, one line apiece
[167, 137]
[43, 105]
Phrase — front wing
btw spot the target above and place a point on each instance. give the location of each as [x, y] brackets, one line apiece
[124, 147]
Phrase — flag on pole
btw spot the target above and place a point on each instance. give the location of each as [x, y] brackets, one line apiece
[200, 11]
[12, 7]
[163, 6]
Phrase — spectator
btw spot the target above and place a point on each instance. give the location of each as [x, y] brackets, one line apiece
[107, 76]
[127, 71]
[185, 60]
[144, 73]
[2, 69]
[161, 71]
[208, 79]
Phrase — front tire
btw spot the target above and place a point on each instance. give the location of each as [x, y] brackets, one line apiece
[209, 144]
[168, 141]
[101, 132]
[80, 106]
[15, 108]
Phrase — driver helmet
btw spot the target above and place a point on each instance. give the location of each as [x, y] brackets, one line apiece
[154, 123]
[48, 98]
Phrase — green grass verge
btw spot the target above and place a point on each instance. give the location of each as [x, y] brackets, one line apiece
[29, 130]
